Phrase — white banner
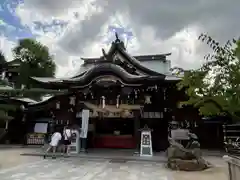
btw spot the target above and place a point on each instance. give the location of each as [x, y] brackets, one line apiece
[85, 121]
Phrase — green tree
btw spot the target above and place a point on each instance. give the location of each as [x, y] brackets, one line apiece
[2, 58]
[2, 62]
[35, 60]
[214, 88]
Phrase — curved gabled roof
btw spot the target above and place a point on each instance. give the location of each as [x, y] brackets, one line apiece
[117, 46]
[91, 76]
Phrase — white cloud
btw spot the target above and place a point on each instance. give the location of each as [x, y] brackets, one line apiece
[6, 47]
[159, 27]
[55, 35]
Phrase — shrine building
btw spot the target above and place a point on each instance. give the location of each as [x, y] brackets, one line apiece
[123, 93]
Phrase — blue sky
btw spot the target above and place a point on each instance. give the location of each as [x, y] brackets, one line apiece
[10, 24]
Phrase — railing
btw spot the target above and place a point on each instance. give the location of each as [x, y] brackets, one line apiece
[233, 167]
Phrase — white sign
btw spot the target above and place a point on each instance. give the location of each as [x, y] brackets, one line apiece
[146, 143]
[180, 134]
[85, 120]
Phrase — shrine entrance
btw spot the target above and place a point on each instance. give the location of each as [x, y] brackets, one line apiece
[114, 133]
[112, 127]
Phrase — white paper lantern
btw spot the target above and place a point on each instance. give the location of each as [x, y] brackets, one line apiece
[117, 104]
[103, 102]
[58, 105]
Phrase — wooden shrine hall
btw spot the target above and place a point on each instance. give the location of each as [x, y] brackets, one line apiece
[122, 92]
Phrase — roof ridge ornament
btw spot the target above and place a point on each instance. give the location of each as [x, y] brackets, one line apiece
[117, 38]
[105, 56]
[119, 41]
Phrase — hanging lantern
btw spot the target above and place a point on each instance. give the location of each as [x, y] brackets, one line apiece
[164, 93]
[117, 104]
[72, 100]
[147, 99]
[103, 102]
[58, 105]
[136, 94]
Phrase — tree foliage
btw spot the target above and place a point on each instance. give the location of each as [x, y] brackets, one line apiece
[214, 88]
[2, 58]
[35, 60]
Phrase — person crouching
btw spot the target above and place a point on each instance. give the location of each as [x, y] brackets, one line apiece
[55, 140]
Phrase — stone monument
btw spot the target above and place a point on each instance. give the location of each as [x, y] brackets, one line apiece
[187, 158]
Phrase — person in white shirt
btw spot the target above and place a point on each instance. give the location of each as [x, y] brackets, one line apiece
[67, 135]
[55, 139]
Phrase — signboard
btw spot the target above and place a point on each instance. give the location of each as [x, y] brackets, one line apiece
[180, 134]
[35, 138]
[75, 142]
[146, 143]
[85, 121]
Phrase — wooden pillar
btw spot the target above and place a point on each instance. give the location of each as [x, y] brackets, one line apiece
[52, 123]
[136, 130]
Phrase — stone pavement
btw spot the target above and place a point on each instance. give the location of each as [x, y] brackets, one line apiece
[10, 157]
[83, 169]
[127, 155]
[16, 167]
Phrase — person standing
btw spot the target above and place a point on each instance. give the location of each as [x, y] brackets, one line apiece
[67, 134]
[55, 140]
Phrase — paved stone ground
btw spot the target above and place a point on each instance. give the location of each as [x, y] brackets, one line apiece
[16, 167]
[10, 157]
[77, 169]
